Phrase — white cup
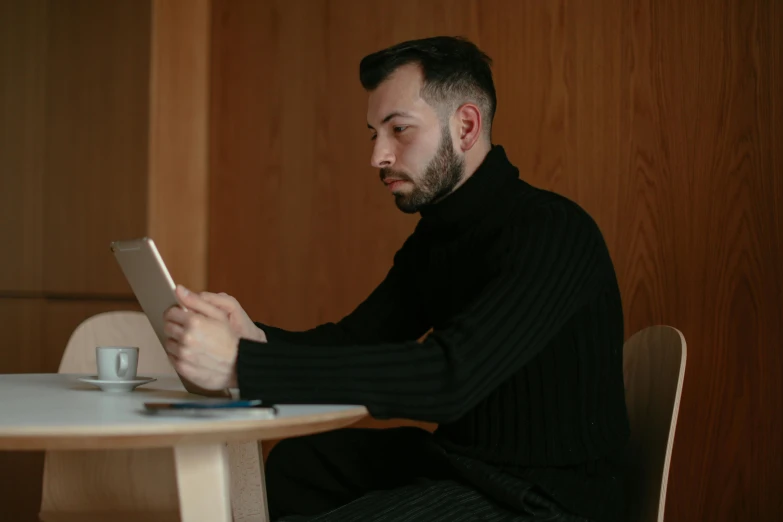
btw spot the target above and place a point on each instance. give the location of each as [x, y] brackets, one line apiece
[117, 363]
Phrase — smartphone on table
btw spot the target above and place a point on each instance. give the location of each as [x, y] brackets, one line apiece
[199, 408]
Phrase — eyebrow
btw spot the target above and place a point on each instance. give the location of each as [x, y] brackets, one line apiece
[390, 116]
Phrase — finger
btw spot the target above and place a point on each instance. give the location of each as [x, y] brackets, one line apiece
[204, 361]
[222, 301]
[201, 350]
[177, 315]
[186, 369]
[174, 331]
[195, 303]
[195, 374]
[172, 348]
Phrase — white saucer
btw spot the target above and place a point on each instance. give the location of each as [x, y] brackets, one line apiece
[117, 386]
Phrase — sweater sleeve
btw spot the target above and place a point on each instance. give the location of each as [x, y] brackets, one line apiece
[550, 272]
[391, 313]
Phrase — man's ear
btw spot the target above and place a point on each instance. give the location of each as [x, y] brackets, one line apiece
[469, 125]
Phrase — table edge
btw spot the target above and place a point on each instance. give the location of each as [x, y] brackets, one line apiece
[170, 435]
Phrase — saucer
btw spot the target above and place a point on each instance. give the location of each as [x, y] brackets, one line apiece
[117, 386]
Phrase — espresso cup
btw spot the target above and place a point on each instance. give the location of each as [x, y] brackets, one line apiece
[117, 363]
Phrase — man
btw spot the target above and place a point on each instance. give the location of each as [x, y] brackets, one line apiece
[522, 367]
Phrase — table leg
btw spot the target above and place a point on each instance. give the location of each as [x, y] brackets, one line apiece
[265, 513]
[248, 495]
[203, 482]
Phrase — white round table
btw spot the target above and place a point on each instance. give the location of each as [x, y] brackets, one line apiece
[58, 412]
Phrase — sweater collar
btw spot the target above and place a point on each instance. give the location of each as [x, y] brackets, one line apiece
[474, 197]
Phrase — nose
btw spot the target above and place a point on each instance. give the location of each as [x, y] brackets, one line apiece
[382, 154]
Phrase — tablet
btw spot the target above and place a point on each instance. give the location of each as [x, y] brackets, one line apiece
[154, 288]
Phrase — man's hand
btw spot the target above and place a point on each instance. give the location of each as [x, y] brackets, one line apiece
[240, 322]
[201, 342]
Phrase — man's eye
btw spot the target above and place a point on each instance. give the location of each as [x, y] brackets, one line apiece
[372, 138]
[400, 128]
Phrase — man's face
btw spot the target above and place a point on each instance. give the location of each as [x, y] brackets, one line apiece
[411, 146]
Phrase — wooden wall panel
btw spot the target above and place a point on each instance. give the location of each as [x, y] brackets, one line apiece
[22, 60]
[36, 330]
[717, 106]
[88, 86]
[663, 119]
[22, 335]
[297, 212]
[96, 141]
[241, 150]
[178, 138]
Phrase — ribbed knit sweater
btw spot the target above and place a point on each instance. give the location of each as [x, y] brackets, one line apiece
[522, 368]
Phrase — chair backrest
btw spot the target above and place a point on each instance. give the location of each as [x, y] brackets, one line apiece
[125, 328]
[653, 370]
[81, 482]
[148, 473]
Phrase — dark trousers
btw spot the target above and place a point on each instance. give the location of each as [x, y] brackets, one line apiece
[399, 474]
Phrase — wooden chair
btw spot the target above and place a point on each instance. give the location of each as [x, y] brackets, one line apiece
[86, 485]
[653, 370]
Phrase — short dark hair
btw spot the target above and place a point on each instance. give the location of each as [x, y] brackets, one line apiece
[455, 70]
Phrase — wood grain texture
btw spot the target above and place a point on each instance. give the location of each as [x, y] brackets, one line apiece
[663, 119]
[300, 228]
[22, 60]
[97, 94]
[91, 482]
[178, 137]
[708, 93]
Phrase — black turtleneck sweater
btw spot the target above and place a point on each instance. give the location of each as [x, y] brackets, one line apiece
[523, 367]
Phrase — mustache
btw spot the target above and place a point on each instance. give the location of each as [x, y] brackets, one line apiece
[387, 173]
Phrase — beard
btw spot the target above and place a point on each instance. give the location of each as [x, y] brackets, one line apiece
[442, 174]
